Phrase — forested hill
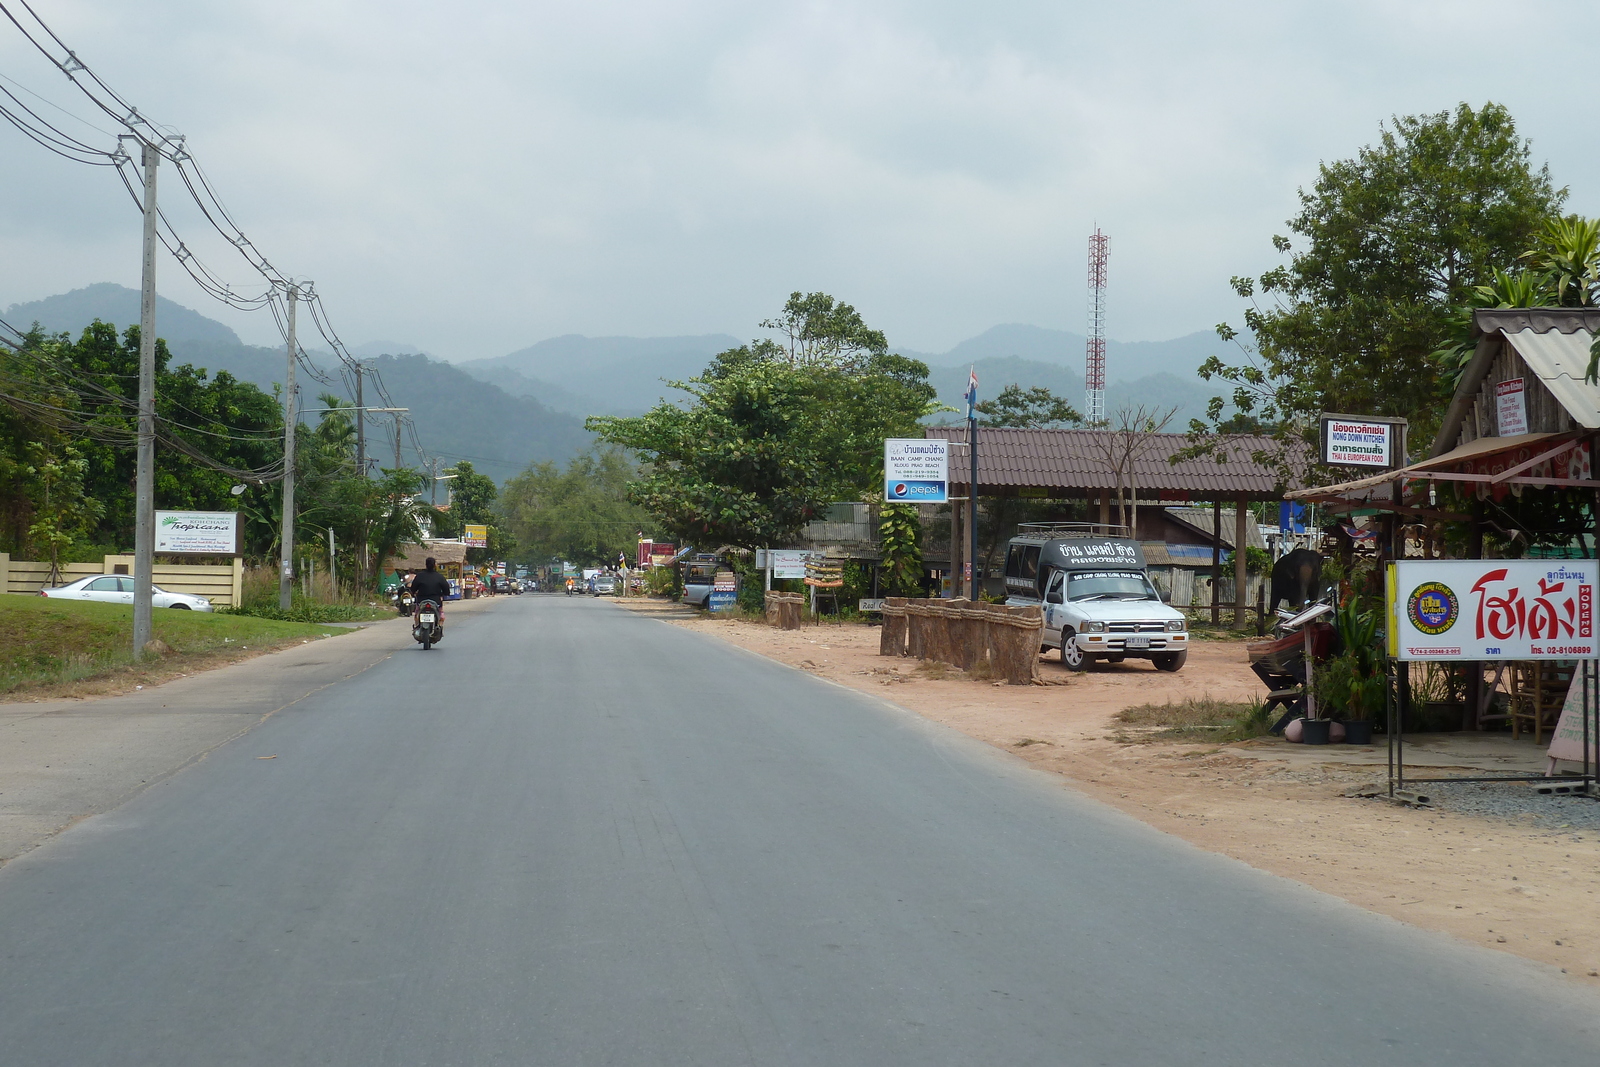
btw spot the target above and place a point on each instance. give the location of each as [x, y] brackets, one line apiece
[457, 416]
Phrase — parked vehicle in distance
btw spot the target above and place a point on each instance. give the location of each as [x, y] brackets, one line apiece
[699, 578]
[1097, 599]
[605, 585]
[118, 589]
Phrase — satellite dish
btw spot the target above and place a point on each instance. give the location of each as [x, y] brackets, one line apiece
[238, 490]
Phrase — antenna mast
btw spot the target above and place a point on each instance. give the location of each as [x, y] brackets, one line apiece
[1094, 373]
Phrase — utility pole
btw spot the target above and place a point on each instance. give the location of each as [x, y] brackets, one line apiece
[397, 418]
[361, 424]
[290, 417]
[144, 529]
[433, 485]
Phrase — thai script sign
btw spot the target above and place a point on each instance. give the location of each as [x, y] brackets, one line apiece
[1492, 609]
[1567, 741]
[475, 536]
[1511, 408]
[916, 470]
[1092, 552]
[208, 533]
[1349, 441]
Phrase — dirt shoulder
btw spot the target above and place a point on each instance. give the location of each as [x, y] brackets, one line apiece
[1523, 888]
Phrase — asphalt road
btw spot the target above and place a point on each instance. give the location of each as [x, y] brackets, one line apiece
[571, 835]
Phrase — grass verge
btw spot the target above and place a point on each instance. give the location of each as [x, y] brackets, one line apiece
[1196, 719]
[311, 611]
[52, 643]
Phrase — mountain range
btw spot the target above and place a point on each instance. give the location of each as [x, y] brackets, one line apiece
[527, 406]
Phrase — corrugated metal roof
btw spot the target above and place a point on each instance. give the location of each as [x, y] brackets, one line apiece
[1560, 360]
[1083, 460]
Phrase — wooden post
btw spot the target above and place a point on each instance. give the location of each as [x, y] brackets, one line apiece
[5, 572]
[1105, 511]
[1240, 515]
[956, 544]
[238, 582]
[1216, 562]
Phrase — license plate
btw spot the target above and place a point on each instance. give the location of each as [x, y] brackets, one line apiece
[1138, 641]
[425, 617]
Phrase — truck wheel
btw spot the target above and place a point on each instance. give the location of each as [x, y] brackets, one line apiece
[1075, 658]
[1170, 661]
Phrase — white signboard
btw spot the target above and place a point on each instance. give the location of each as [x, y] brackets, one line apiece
[207, 533]
[916, 470]
[1492, 609]
[787, 562]
[1567, 741]
[1511, 408]
[1356, 442]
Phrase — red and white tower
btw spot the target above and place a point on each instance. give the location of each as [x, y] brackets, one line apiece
[1094, 371]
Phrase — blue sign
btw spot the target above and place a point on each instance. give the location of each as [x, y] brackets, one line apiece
[722, 600]
[915, 491]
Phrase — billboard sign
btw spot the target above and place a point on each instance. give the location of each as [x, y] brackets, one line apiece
[475, 536]
[916, 470]
[207, 533]
[1492, 609]
[722, 599]
[1511, 408]
[1352, 441]
[787, 562]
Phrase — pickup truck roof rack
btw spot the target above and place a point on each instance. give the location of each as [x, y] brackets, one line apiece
[1051, 530]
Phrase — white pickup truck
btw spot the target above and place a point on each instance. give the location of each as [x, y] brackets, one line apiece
[1098, 602]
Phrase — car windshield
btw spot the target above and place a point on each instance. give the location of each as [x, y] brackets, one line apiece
[1109, 585]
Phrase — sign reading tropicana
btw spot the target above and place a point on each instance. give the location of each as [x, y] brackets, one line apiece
[201, 533]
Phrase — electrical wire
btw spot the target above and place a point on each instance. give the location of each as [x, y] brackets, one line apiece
[195, 181]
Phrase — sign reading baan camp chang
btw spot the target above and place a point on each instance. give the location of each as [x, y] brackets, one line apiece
[203, 533]
[1492, 609]
[1352, 441]
[916, 470]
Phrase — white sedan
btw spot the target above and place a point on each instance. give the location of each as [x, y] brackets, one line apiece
[118, 589]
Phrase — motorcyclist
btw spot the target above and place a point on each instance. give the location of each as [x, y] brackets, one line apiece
[429, 584]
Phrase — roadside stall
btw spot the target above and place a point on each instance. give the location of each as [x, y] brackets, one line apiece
[450, 557]
[1512, 467]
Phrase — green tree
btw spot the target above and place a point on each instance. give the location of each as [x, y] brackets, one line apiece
[819, 331]
[771, 435]
[1389, 242]
[1035, 409]
[580, 514]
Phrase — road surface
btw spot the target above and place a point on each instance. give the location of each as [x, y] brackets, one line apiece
[571, 835]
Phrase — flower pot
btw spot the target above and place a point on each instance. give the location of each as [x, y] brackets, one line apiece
[1358, 732]
[1314, 731]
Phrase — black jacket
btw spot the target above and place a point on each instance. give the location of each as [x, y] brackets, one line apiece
[430, 585]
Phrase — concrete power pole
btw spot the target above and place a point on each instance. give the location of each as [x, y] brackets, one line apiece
[144, 529]
[361, 424]
[397, 418]
[290, 417]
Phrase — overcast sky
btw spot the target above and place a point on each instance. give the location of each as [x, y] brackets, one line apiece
[473, 177]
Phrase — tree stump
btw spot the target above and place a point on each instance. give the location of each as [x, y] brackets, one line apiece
[1015, 633]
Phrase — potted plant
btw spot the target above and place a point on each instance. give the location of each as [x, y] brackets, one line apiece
[1354, 681]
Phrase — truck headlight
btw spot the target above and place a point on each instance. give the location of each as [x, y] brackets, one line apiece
[1177, 626]
[1092, 627]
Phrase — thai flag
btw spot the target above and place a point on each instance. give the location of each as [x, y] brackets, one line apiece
[972, 392]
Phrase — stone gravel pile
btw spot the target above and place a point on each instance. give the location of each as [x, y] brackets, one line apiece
[1517, 801]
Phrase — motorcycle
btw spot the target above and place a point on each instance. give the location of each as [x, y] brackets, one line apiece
[428, 627]
[402, 600]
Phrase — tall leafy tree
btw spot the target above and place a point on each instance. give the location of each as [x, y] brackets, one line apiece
[580, 513]
[1385, 245]
[772, 433]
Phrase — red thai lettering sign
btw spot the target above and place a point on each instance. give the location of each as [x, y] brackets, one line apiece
[1492, 609]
